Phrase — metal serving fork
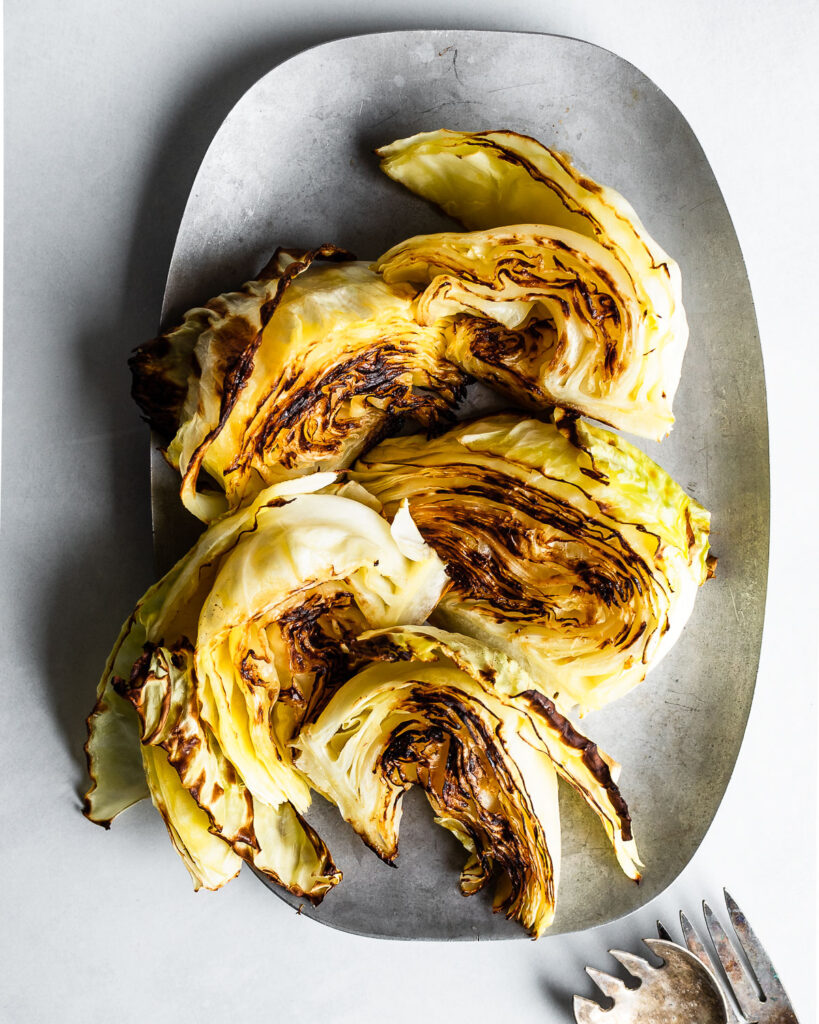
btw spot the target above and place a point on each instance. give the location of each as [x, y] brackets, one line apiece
[688, 988]
[760, 996]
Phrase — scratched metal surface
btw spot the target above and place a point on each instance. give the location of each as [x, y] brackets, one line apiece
[292, 165]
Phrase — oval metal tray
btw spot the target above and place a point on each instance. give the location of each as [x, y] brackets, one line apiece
[292, 165]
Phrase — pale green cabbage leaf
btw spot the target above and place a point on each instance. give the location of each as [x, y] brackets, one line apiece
[568, 548]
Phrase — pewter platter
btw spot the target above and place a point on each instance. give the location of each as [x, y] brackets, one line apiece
[292, 165]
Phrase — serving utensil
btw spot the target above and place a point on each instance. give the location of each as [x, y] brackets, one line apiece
[760, 996]
[689, 986]
[679, 991]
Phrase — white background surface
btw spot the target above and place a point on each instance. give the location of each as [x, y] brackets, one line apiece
[110, 107]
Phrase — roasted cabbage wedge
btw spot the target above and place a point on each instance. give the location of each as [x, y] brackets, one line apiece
[560, 296]
[209, 792]
[465, 723]
[221, 661]
[568, 548]
[299, 371]
[227, 326]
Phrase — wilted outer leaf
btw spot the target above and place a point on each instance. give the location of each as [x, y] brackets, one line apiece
[262, 601]
[275, 840]
[564, 300]
[439, 710]
[569, 549]
[299, 371]
[163, 368]
[209, 860]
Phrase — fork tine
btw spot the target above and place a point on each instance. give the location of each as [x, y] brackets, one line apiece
[663, 932]
[608, 985]
[692, 940]
[636, 966]
[765, 972]
[745, 993]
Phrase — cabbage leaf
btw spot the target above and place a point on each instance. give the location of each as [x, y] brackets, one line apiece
[440, 711]
[221, 661]
[559, 296]
[210, 796]
[299, 371]
[568, 548]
